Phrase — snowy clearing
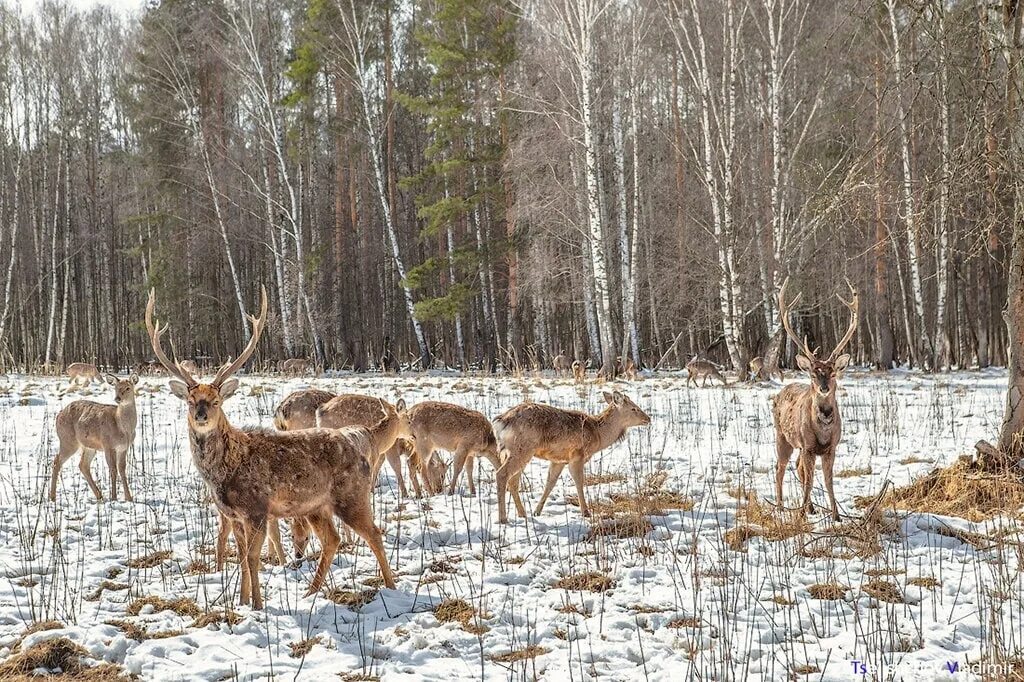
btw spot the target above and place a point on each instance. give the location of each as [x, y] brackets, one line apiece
[672, 598]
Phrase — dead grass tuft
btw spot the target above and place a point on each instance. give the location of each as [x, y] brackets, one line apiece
[622, 527]
[884, 590]
[807, 669]
[763, 520]
[925, 581]
[530, 652]
[103, 587]
[216, 618]
[57, 654]
[599, 479]
[352, 599]
[591, 581]
[827, 591]
[302, 647]
[445, 564]
[459, 611]
[977, 540]
[853, 473]
[139, 632]
[181, 606]
[691, 622]
[151, 560]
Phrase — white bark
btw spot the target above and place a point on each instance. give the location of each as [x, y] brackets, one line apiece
[941, 359]
[12, 245]
[625, 249]
[53, 267]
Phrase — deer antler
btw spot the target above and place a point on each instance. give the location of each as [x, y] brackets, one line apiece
[155, 331]
[784, 314]
[854, 306]
[258, 324]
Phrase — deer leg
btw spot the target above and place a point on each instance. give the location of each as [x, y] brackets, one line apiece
[514, 487]
[300, 535]
[223, 531]
[458, 465]
[274, 541]
[554, 471]
[122, 472]
[110, 454]
[85, 466]
[507, 479]
[322, 524]
[259, 535]
[394, 457]
[66, 452]
[241, 533]
[359, 518]
[805, 471]
[783, 451]
[576, 470]
[471, 474]
[827, 462]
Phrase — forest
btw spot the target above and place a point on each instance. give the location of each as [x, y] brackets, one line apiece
[486, 184]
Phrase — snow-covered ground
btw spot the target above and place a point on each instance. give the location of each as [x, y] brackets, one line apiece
[682, 603]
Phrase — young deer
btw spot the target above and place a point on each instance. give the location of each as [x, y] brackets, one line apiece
[457, 429]
[363, 410]
[86, 426]
[703, 369]
[254, 474]
[807, 416]
[561, 364]
[298, 410]
[579, 371]
[83, 374]
[562, 437]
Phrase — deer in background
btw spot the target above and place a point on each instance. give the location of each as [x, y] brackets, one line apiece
[758, 371]
[86, 426]
[459, 430]
[83, 374]
[703, 369]
[298, 410]
[579, 372]
[254, 474]
[561, 364]
[562, 437]
[293, 366]
[807, 416]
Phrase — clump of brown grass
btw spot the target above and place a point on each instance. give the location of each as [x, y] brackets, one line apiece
[622, 527]
[573, 608]
[445, 564]
[151, 560]
[782, 600]
[763, 520]
[691, 622]
[530, 652]
[827, 591]
[591, 581]
[807, 669]
[976, 540]
[197, 567]
[855, 472]
[352, 599]
[914, 459]
[139, 632]
[884, 590]
[302, 647]
[925, 581]
[649, 499]
[182, 606]
[58, 654]
[216, 618]
[858, 538]
[972, 488]
[598, 479]
[459, 611]
[878, 572]
[104, 586]
[643, 608]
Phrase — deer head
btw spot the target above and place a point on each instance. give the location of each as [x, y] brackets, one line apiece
[204, 400]
[124, 389]
[822, 372]
[625, 410]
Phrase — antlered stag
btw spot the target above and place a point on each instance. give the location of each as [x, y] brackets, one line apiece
[86, 426]
[255, 474]
[562, 437]
[460, 430]
[807, 416]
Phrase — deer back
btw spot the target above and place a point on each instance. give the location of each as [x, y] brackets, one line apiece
[298, 410]
[83, 369]
[450, 427]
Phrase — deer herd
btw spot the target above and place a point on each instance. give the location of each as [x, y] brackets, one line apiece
[322, 461]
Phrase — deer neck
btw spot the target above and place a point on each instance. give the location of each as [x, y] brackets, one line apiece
[384, 433]
[126, 415]
[216, 451]
[824, 411]
[609, 429]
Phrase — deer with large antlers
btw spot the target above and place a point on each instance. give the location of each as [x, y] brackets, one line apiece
[254, 474]
[807, 416]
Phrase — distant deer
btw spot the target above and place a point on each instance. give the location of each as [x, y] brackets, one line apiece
[254, 474]
[626, 368]
[86, 426]
[757, 371]
[83, 374]
[190, 367]
[561, 364]
[561, 437]
[459, 430]
[579, 372]
[294, 366]
[807, 416]
[703, 369]
[298, 410]
[362, 410]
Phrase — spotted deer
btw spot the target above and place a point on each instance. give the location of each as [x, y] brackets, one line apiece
[464, 432]
[362, 410]
[254, 474]
[83, 374]
[562, 437]
[704, 370]
[807, 416]
[86, 426]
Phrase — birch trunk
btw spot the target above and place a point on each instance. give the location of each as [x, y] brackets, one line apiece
[940, 360]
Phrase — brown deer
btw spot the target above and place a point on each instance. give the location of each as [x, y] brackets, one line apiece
[459, 430]
[362, 410]
[255, 474]
[759, 372]
[579, 371]
[298, 410]
[561, 437]
[704, 370]
[807, 416]
[86, 426]
[561, 364]
[294, 366]
[626, 368]
[83, 374]
[190, 367]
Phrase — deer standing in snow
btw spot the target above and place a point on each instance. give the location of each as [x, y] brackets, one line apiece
[254, 474]
[459, 430]
[86, 426]
[807, 416]
[563, 437]
[83, 374]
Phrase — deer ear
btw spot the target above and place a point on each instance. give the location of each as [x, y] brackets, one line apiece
[608, 397]
[111, 379]
[228, 388]
[803, 363]
[841, 363]
[400, 405]
[134, 378]
[619, 397]
[179, 388]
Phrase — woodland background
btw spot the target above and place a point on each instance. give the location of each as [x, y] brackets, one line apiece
[485, 183]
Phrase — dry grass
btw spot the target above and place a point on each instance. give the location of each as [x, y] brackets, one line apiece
[854, 473]
[970, 488]
[139, 632]
[459, 611]
[151, 560]
[763, 520]
[57, 654]
[445, 564]
[530, 652]
[216, 618]
[598, 479]
[302, 647]
[352, 599]
[827, 591]
[884, 590]
[976, 540]
[104, 586]
[691, 622]
[181, 606]
[807, 669]
[622, 527]
[591, 581]
[925, 581]
[914, 459]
